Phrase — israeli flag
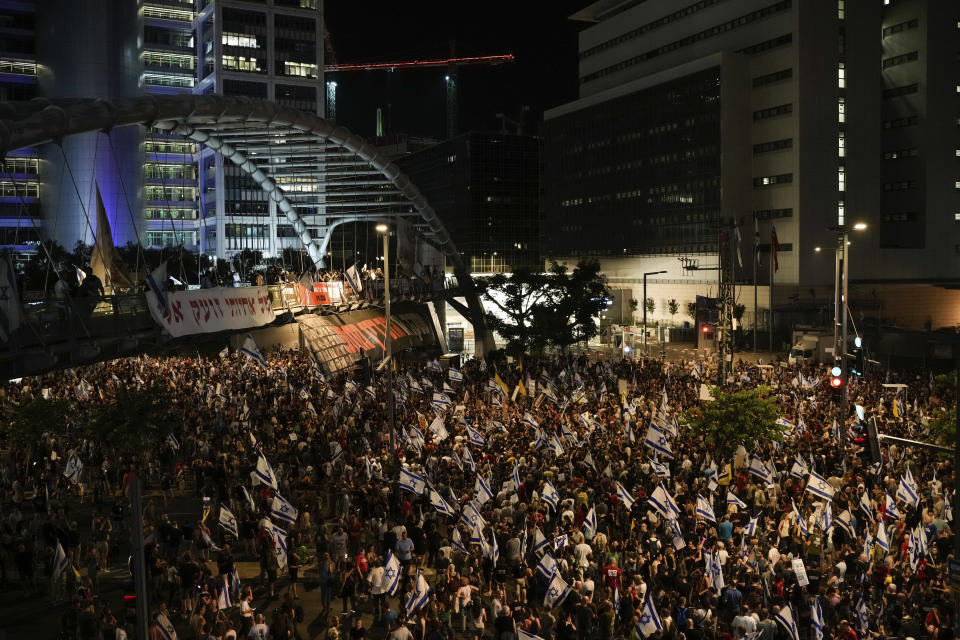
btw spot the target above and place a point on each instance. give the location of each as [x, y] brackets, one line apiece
[649, 620]
[60, 561]
[252, 351]
[228, 521]
[74, 467]
[516, 476]
[625, 497]
[529, 421]
[523, 635]
[827, 518]
[733, 499]
[759, 469]
[657, 440]
[907, 490]
[845, 522]
[550, 495]
[704, 509]
[456, 458]
[468, 458]
[279, 536]
[264, 472]
[481, 491]
[663, 502]
[947, 508]
[799, 468]
[165, 627]
[816, 618]
[539, 540]
[439, 430]
[411, 482]
[352, 276]
[590, 523]
[661, 470]
[819, 487]
[798, 518]
[557, 591]
[785, 424]
[476, 438]
[786, 619]
[891, 510]
[470, 515]
[447, 388]
[454, 375]
[391, 574]
[882, 541]
[441, 399]
[751, 529]
[421, 592]
[457, 542]
[863, 618]
[283, 510]
[440, 504]
[156, 282]
[174, 443]
[866, 505]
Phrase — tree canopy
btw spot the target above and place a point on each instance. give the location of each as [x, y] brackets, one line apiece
[733, 418]
[534, 310]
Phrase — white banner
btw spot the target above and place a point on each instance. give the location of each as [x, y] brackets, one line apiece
[212, 310]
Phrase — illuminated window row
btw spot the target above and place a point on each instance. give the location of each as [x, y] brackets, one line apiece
[240, 63]
[300, 69]
[240, 40]
[170, 238]
[21, 165]
[899, 154]
[167, 80]
[20, 189]
[156, 192]
[178, 213]
[766, 181]
[166, 13]
[168, 60]
[18, 67]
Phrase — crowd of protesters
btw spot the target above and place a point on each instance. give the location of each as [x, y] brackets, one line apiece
[536, 506]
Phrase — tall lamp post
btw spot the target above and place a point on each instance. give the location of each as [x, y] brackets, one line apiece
[384, 230]
[840, 296]
[648, 273]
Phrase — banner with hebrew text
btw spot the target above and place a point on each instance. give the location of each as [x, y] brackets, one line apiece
[212, 310]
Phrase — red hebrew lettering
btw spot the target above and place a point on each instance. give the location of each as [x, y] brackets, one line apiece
[176, 311]
[195, 307]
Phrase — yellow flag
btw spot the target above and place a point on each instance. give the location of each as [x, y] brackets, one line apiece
[896, 408]
[522, 389]
[500, 383]
[75, 572]
[725, 476]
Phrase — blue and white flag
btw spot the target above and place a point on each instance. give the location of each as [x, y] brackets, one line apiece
[555, 446]
[441, 399]
[891, 510]
[751, 529]
[529, 421]
[390, 579]
[264, 472]
[550, 495]
[649, 620]
[657, 440]
[440, 504]
[481, 491]
[788, 621]
[799, 468]
[816, 618]
[547, 566]
[173, 442]
[523, 635]
[457, 542]
[705, 509]
[228, 521]
[454, 375]
[798, 518]
[663, 502]
[447, 388]
[785, 424]
[827, 517]
[557, 591]
[73, 470]
[845, 522]
[625, 497]
[165, 627]
[539, 540]
[252, 351]
[882, 541]
[411, 482]
[279, 537]
[516, 476]
[246, 494]
[468, 458]
[819, 487]
[440, 432]
[733, 499]
[470, 515]
[477, 439]
[759, 469]
[421, 592]
[863, 618]
[60, 561]
[157, 284]
[866, 505]
[283, 510]
[907, 490]
[590, 523]
[352, 276]
[661, 470]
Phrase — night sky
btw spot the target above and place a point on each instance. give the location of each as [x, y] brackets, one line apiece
[537, 32]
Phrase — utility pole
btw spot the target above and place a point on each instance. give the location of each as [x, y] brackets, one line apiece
[956, 494]
[648, 273]
[388, 338]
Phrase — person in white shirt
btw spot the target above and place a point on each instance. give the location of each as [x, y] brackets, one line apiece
[259, 631]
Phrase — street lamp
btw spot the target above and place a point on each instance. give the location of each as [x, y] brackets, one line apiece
[384, 230]
[648, 273]
[840, 306]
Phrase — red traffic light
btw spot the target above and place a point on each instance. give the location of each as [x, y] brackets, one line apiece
[706, 328]
[836, 382]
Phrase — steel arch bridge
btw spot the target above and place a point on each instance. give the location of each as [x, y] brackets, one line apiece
[274, 146]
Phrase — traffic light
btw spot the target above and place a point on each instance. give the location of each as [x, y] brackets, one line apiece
[836, 378]
[858, 358]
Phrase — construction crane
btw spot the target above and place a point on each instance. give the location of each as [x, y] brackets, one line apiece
[451, 64]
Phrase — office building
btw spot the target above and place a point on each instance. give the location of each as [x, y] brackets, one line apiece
[485, 188]
[783, 112]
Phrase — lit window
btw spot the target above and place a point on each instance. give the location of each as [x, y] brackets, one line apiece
[840, 9]
[842, 110]
[842, 180]
[956, 216]
[300, 69]
[841, 76]
[842, 144]
[841, 209]
[239, 40]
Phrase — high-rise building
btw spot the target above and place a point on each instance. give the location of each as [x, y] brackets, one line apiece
[272, 49]
[799, 115]
[485, 188]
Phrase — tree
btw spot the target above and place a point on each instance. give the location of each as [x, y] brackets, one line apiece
[25, 423]
[943, 426]
[533, 309]
[650, 305]
[744, 417]
[673, 307]
[136, 421]
[692, 310]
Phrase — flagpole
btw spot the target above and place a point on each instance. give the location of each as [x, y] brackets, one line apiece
[756, 258]
[770, 323]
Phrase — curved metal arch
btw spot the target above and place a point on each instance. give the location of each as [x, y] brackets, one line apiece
[43, 121]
